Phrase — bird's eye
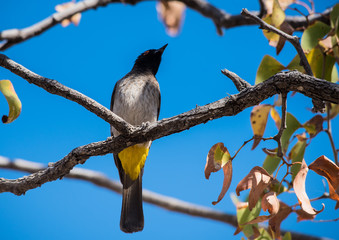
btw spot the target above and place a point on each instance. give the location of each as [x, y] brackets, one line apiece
[145, 53]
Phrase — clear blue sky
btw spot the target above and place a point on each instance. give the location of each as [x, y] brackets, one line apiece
[91, 58]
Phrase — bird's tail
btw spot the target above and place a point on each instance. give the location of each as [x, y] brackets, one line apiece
[132, 217]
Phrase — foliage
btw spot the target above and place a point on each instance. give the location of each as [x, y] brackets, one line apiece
[320, 44]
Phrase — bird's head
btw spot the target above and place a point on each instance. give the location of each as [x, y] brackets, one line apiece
[149, 60]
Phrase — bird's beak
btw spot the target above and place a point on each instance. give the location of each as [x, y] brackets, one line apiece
[162, 49]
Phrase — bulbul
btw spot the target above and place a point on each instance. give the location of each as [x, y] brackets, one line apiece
[136, 99]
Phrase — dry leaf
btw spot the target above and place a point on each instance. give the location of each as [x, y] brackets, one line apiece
[302, 215]
[172, 15]
[270, 202]
[257, 180]
[75, 19]
[287, 28]
[227, 181]
[300, 191]
[276, 220]
[328, 169]
[218, 157]
[258, 119]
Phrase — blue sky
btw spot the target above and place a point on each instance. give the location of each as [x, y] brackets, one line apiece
[91, 58]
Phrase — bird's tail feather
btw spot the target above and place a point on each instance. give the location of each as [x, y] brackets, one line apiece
[132, 217]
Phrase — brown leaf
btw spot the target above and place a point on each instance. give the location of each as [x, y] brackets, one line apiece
[287, 28]
[217, 156]
[299, 189]
[227, 181]
[75, 19]
[276, 220]
[314, 125]
[270, 202]
[328, 169]
[257, 180]
[270, 152]
[172, 15]
[237, 231]
[302, 215]
[256, 233]
[259, 219]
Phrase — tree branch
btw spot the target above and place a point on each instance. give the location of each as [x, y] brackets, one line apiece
[169, 203]
[294, 40]
[54, 87]
[229, 106]
[218, 16]
[239, 83]
[318, 105]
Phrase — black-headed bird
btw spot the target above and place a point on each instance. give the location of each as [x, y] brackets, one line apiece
[136, 99]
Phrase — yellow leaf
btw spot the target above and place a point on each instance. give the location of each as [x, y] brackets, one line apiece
[14, 102]
[276, 117]
[276, 18]
[258, 118]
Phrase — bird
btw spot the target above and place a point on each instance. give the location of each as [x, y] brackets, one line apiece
[136, 98]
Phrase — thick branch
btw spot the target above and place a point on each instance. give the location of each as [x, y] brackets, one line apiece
[218, 16]
[54, 87]
[156, 199]
[229, 106]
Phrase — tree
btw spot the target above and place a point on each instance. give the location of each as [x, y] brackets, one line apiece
[280, 83]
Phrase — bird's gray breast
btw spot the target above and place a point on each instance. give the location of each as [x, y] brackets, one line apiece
[137, 99]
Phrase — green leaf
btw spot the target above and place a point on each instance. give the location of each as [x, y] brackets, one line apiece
[13, 101]
[292, 124]
[264, 235]
[267, 68]
[271, 163]
[313, 34]
[297, 155]
[316, 59]
[287, 236]
[244, 215]
[295, 64]
[334, 15]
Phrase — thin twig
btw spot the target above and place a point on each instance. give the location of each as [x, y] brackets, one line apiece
[241, 148]
[277, 137]
[329, 133]
[294, 40]
[239, 83]
[326, 220]
[218, 16]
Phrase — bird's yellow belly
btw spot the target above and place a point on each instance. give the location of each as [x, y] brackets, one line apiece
[133, 159]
